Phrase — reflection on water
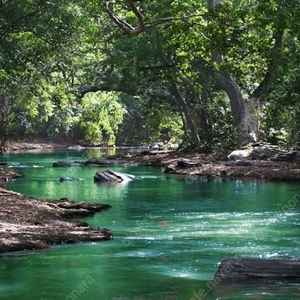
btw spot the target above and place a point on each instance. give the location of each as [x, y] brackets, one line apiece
[170, 235]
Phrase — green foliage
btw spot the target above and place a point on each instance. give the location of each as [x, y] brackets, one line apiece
[164, 125]
[52, 51]
[101, 113]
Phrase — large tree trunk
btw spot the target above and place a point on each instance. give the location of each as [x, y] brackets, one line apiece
[190, 124]
[245, 122]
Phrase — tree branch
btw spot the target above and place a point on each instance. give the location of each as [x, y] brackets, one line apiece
[264, 86]
[129, 29]
[125, 26]
[106, 88]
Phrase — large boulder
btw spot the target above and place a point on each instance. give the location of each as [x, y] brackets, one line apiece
[239, 154]
[112, 177]
[265, 152]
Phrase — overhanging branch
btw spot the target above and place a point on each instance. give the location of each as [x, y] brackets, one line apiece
[131, 30]
[106, 88]
[125, 26]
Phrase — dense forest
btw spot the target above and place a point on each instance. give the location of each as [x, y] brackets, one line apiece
[211, 75]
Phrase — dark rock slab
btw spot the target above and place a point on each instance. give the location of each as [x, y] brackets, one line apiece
[292, 156]
[111, 176]
[236, 269]
[170, 169]
[265, 152]
[188, 163]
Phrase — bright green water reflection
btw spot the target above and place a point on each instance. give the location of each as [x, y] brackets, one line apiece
[170, 235]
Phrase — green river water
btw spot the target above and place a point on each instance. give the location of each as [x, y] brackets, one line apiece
[170, 235]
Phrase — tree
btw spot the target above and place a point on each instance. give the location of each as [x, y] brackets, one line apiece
[225, 35]
[47, 50]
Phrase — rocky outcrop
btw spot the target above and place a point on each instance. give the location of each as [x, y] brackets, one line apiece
[236, 269]
[112, 177]
[28, 223]
[265, 152]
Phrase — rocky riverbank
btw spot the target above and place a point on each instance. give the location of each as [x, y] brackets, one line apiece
[28, 223]
[281, 167]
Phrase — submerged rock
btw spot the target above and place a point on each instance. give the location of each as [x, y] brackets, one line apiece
[59, 164]
[111, 176]
[65, 178]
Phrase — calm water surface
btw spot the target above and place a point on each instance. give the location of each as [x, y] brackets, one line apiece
[170, 235]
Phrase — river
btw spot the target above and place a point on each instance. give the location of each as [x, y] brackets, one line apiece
[170, 235]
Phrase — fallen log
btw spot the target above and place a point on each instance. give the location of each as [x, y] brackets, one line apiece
[240, 269]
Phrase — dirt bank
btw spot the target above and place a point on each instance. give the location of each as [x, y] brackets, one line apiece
[19, 145]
